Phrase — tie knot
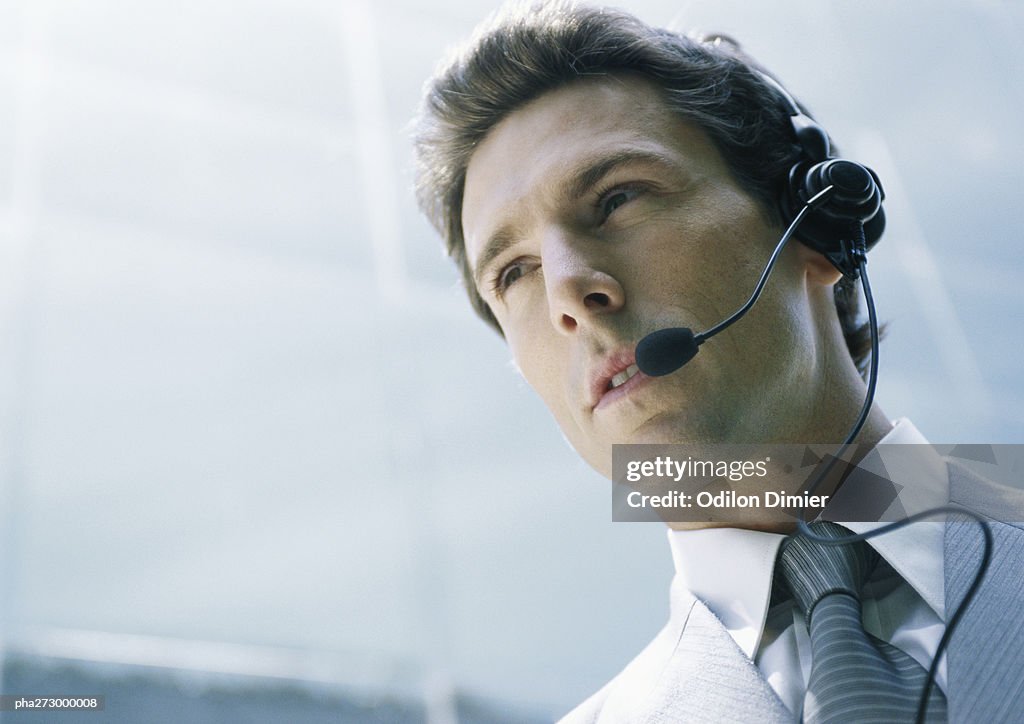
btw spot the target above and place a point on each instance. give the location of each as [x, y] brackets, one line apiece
[812, 570]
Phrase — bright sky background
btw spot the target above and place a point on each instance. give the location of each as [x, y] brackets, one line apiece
[244, 401]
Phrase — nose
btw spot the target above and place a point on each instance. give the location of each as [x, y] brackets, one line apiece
[580, 285]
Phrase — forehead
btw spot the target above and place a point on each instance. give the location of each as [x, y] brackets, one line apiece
[522, 166]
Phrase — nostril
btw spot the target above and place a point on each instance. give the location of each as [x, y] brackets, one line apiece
[597, 299]
[568, 322]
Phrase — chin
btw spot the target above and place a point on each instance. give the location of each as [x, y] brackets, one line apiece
[674, 428]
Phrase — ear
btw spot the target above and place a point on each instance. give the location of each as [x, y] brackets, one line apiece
[818, 269]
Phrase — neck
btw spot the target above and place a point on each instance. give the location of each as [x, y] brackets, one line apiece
[822, 430]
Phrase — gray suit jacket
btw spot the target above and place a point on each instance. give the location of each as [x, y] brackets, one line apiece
[693, 671]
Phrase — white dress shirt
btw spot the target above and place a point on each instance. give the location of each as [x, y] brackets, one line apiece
[730, 570]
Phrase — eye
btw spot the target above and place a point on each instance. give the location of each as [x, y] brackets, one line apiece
[615, 198]
[510, 275]
[507, 276]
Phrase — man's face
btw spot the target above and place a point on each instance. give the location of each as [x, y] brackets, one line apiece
[594, 216]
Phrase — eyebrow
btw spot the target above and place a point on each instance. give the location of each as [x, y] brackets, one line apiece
[591, 173]
[582, 180]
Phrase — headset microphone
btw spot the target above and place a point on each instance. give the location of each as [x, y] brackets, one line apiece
[663, 352]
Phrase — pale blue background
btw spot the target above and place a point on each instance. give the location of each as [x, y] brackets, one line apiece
[245, 404]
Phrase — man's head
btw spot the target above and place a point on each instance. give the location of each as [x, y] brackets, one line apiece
[596, 179]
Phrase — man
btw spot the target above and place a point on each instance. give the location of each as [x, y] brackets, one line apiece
[597, 180]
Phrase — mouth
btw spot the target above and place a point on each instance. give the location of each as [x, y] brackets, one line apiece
[615, 377]
[623, 377]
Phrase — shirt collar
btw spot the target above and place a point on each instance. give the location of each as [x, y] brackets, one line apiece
[730, 569]
[916, 551]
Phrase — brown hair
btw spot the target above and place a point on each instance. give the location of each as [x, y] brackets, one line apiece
[526, 50]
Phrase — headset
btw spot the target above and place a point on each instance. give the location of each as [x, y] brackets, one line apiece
[833, 206]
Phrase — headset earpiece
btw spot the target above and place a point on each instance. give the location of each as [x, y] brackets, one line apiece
[857, 196]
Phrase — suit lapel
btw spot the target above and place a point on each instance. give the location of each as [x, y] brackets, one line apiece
[694, 672]
[986, 652]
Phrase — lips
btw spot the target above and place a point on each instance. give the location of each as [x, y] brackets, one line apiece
[613, 374]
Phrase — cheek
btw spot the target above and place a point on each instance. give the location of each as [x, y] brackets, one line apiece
[544, 364]
[537, 361]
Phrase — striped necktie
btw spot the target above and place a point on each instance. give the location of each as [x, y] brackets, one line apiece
[855, 677]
